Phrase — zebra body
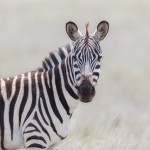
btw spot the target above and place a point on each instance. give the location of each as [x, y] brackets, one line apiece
[36, 107]
[37, 100]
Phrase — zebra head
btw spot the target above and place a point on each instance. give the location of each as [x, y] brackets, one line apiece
[86, 56]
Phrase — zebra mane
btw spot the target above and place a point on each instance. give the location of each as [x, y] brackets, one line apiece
[86, 27]
[55, 57]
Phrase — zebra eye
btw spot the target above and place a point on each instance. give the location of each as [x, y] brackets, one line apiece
[74, 57]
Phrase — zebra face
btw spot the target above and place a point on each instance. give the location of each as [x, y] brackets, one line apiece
[86, 57]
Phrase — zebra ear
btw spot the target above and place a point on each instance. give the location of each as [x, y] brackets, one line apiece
[102, 30]
[72, 31]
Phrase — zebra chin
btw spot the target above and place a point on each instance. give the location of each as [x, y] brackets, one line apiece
[86, 91]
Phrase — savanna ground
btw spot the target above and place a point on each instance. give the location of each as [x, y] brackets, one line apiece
[119, 116]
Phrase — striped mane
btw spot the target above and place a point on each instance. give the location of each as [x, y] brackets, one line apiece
[55, 57]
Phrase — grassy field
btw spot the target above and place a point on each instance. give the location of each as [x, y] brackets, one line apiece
[119, 116]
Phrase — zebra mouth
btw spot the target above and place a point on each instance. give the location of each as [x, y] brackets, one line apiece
[86, 91]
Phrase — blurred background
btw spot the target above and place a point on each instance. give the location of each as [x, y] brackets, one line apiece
[119, 116]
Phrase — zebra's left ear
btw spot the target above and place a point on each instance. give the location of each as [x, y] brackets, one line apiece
[72, 31]
[102, 30]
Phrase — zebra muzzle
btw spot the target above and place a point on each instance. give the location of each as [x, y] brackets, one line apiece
[86, 91]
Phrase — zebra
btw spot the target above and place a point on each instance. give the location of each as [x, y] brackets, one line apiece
[36, 106]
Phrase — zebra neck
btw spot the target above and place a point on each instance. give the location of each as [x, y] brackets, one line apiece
[59, 64]
[63, 84]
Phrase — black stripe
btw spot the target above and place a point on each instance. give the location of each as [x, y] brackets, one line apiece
[97, 67]
[71, 63]
[40, 110]
[67, 86]
[51, 122]
[40, 69]
[71, 115]
[35, 145]
[59, 90]
[48, 62]
[96, 51]
[33, 126]
[93, 64]
[94, 80]
[80, 57]
[68, 48]
[69, 71]
[34, 137]
[12, 105]
[34, 90]
[24, 98]
[77, 72]
[40, 124]
[2, 128]
[29, 131]
[61, 54]
[8, 84]
[51, 96]
[54, 58]
[45, 106]
[78, 79]
[44, 66]
[96, 74]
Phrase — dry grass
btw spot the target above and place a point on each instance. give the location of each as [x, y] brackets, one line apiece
[119, 116]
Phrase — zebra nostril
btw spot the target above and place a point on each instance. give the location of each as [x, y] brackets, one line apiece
[86, 89]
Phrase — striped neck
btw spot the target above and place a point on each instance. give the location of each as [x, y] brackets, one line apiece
[62, 84]
[55, 58]
[59, 63]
